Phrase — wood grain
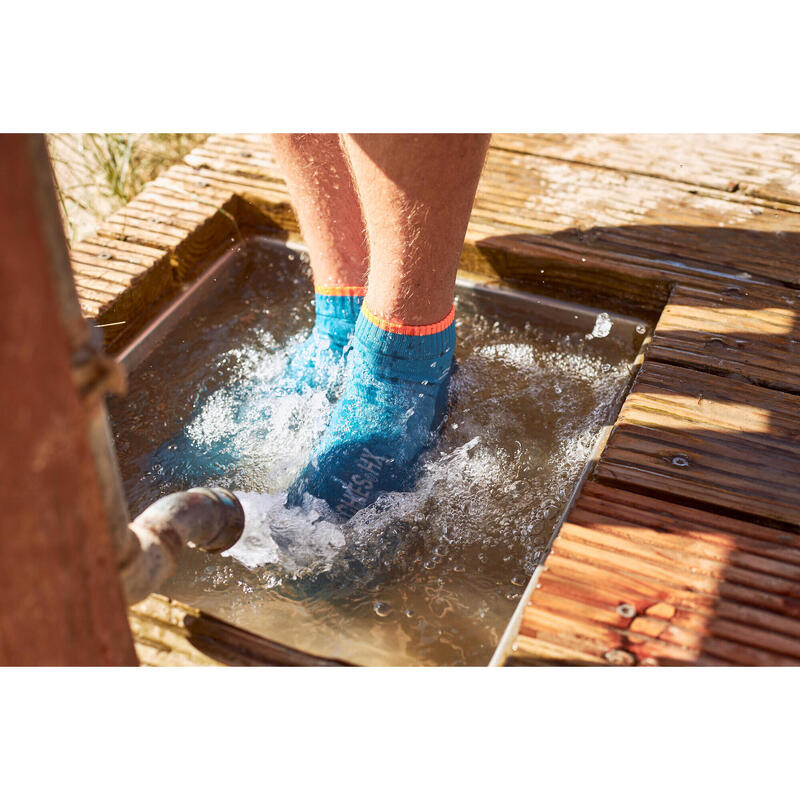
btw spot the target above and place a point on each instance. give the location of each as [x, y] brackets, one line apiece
[752, 334]
[662, 583]
[755, 165]
[716, 441]
[169, 633]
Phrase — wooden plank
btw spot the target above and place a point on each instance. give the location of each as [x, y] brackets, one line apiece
[611, 585]
[170, 633]
[693, 229]
[753, 334]
[626, 582]
[757, 165]
[130, 230]
[692, 633]
[118, 248]
[709, 439]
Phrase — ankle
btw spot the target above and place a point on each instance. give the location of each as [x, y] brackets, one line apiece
[337, 309]
[416, 309]
[392, 350]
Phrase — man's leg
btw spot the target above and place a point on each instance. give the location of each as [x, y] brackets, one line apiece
[327, 206]
[417, 193]
[328, 209]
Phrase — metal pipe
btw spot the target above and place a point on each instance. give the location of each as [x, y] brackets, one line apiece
[211, 519]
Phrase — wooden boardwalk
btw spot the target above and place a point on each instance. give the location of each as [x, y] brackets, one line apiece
[684, 545]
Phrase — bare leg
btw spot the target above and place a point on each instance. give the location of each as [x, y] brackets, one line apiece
[327, 206]
[328, 209]
[417, 192]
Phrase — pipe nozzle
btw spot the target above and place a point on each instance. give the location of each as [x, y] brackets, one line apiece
[211, 519]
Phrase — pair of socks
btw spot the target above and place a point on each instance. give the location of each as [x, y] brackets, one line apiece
[393, 403]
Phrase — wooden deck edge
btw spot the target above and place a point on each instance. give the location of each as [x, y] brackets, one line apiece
[169, 633]
[137, 261]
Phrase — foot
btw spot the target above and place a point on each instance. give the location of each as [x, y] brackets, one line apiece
[318, 361]
[391, 409]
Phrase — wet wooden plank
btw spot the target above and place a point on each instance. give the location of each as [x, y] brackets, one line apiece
[169, 633]
[709, 439]
[749, 333]
[689, 229]
[631, 580]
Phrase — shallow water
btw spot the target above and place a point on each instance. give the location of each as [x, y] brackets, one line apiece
[426, 577]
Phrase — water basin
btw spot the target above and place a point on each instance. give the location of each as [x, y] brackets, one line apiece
[432, 576]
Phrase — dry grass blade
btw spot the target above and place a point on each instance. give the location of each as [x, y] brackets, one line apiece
[97, 173]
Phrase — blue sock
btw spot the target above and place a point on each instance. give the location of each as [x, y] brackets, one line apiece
[394, 401]
[317, 361]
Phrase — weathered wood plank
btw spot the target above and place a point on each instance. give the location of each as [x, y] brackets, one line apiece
[754, 334]
[625, 582]
[692, 229]
[709, 439]
[171, 633]
[758, 165]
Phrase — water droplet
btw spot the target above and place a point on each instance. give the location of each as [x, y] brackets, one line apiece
[602, 325]
[641, 329]
[409, 612]
[382, 609]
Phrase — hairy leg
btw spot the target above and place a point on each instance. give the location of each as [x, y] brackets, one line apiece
[417, 192]
[327, 205]
[329, 211]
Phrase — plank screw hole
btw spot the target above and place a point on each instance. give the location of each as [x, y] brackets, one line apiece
[680, 461]
[620, 658]
[641, 329]
[104, 256]
[626, 610]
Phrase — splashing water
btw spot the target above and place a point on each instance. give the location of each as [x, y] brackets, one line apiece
[602, 325]
[425, 577]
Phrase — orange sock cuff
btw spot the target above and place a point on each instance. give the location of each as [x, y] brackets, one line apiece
[396, 326]
[340, 291]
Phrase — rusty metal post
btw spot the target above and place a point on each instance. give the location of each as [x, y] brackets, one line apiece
[60, 595]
